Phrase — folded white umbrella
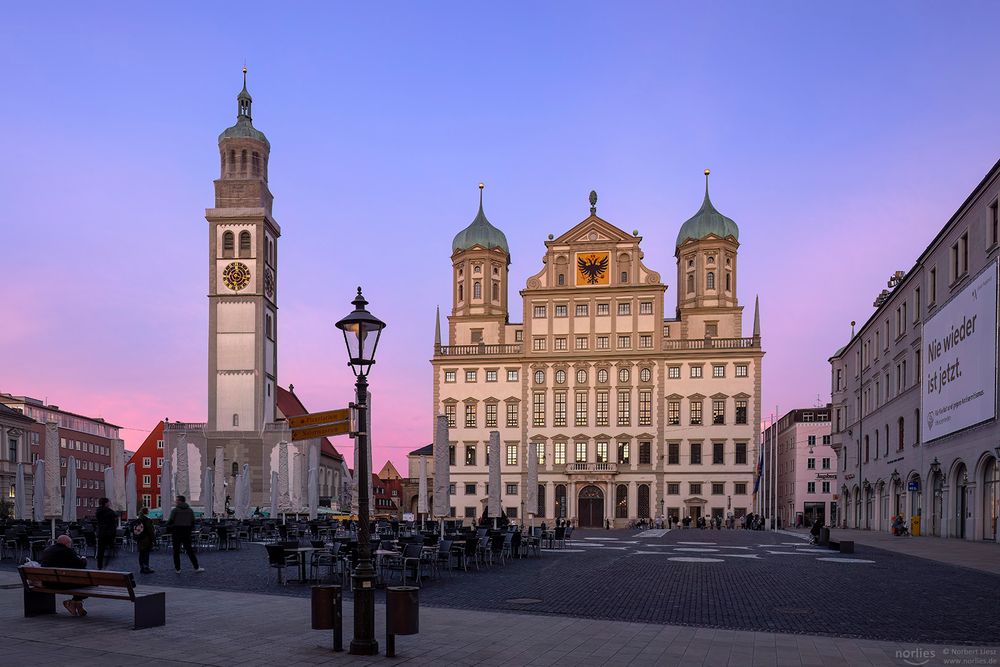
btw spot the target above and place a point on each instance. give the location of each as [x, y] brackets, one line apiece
[39, 490]
[208, 492]
[166, 492]
[109, 487]
[69, 495]
[20, 495]
[131, 500]
[274, 494]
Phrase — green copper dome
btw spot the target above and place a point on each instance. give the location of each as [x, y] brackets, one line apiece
[244, 129]
[480, 233]
[707, 221]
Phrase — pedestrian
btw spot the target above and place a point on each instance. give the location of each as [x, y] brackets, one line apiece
[144, 535]
[107, 526]
[815, 531]
[181, 523]
[61, 554]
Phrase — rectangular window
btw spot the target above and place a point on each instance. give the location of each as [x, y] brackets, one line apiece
[511, 489]
[470, 415]
[470, 455]
[825, 464]
[718, 371]
[491, 415]
[673, 453]
[742, 370]
[674, 372]
[741, 453]
[541, 453]
[625, 408]
[673, 413]
[645, 453]
[559, 453]
[581, 452]
[491, 376]
[451, 459]
[581, 310]
[603, 309]
[602, 452]
[539, 311]
[470, 489]
[449, 412]
[696, 453]
[645, 407]
[694, 488]
[645, 307]
[538, 344]
[512, 455]
[811, 464]
[695, 413]
[146, 461]
[602, 342]
[449, 376]
[146, 480]
[519, 336]
[624, 455]
[718, 488]
[559, 417]
[826, 487]
[560, 343]
[718, 411]
[740, 488]
[159, 462]
[645, 341]
[582, 342]
[159, 444]
[581, 408]
[561, 310]
[696, 371]
[625, 308]
[810, 487]
[932, 288]
[512, 415]
[811, 440]
[511, 375]
[538, 409]
[718, 453]
[602, 408]
[741, 411]
[625, 342]
[994, 216]
[470, 376]
[673, 488]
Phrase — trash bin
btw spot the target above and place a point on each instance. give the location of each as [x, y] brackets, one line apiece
[328, 612]
[402, 615]
[824, 536]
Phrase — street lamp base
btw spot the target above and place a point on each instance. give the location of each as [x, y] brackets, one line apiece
[363, 647]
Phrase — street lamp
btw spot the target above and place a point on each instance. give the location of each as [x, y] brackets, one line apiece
[361, 333]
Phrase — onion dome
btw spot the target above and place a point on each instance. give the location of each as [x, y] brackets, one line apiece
[480, 233]
[707, 221]
[244, 129]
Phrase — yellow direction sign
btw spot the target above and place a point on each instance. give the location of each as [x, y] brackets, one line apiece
[318, 418]
[338, 428]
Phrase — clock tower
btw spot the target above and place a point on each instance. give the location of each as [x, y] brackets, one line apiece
[242, 286]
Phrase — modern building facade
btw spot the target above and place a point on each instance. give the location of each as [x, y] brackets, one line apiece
[244, 423]
[88, 439]
[806, 467]
[636, 411]
[914, 390]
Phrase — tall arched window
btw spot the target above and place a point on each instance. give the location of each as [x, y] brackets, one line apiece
[560, 501]
[899, 445]
[541, 500]
[228, 244]
[243, 161]
[690, 283]
[236, 419]
[496, 291]
[477, 290]
[244, 244]
[643, 503]
[710, 280]
[461, 292]
[729, 282]
[916, 426]
[232, 161]
[256, 163]
[236, 468]
[621, 502]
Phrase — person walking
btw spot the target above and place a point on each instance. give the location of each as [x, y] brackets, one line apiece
[61, 554]
[145, 536]
[181, 523]
[107, 526]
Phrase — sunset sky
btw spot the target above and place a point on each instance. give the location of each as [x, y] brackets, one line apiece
[840, 138]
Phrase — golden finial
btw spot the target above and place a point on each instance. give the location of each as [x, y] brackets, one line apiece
[707, 171]
[481, 185]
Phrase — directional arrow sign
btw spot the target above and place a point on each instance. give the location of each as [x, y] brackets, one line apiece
[338, 428]
[318, 418]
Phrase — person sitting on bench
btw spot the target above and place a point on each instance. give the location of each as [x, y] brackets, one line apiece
[61, 554]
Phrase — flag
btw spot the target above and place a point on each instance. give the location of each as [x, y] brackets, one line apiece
[760, 471]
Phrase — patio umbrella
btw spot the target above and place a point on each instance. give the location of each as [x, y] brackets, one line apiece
[494, 495]
[109, 487]
[422, 490]
[219, 481]
[183, 472]
[118, 501]
[166, 487]
[237, 504]
[131, 500]
[531, 493]
[69, 495]
[38, 495]
[442, 480]
[274, 493]
[20, 498]
[245, 496]
[284, 502]
[53, 499]
[208, 492]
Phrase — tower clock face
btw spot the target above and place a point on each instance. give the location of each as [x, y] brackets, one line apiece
[269, 283]
[236, 276]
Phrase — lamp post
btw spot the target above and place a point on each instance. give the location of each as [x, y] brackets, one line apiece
[361, 333]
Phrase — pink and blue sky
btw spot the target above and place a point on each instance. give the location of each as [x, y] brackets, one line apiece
[841, 137]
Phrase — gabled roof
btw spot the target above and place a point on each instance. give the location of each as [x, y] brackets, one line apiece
[290, 406]
[426, 450]
[604, 231]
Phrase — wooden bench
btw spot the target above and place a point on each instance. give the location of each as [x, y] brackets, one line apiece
[843, 546]
[43, 584]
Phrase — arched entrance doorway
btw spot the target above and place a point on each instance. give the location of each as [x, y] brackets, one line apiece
[937, 502]
[961, 499]
[991, 498]
[590, 508]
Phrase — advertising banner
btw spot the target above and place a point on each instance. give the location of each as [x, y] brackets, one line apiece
[960, 359]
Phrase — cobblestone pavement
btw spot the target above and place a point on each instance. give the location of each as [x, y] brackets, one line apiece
[738, 580]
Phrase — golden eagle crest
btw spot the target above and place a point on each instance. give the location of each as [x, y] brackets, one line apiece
[592, 267]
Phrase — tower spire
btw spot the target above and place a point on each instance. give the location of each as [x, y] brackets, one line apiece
[437, 329]
[756, 316]
[243, 100]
